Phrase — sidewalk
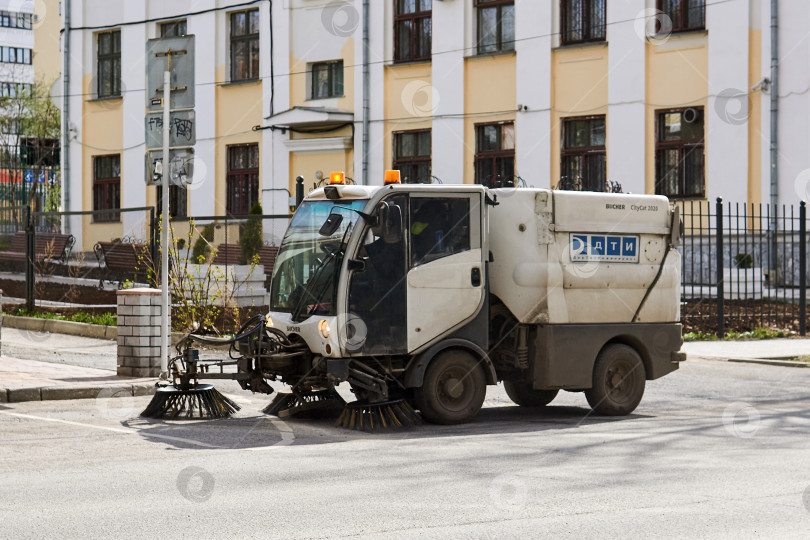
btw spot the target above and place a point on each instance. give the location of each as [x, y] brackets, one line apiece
[749, 350]
[43, 366]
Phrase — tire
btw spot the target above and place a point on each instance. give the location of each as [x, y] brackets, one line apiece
[618, 381]
[524, 395]
[453, 389]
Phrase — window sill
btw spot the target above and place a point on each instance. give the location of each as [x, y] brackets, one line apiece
[581, 45]
[510, 52]
[241, 83]
[325, 97]
[679, 34]
[410, 62]
[105, 99]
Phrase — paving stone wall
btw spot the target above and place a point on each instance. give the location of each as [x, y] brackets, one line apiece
[139, 332]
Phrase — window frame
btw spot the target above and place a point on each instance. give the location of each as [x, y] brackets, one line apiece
[683, 147]
[178, 200]
[583, 152]
[248, 39]
[101, 189]
[500, 48]
[683, 11]
[248, 180]
[495, 155]
[115, 68]
[175, 23]
[415, 17]
[565, 6]
[330, 65]
[410, 163]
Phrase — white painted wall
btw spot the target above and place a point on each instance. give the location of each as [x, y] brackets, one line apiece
[626, 137]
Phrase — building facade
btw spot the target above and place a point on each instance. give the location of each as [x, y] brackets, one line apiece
[660, 96]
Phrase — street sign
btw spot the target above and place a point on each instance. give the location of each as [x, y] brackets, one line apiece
[175, 54]
[181, 166]
[182, 133]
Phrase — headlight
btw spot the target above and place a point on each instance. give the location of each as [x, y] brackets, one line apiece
[323, 326]
[268, 321]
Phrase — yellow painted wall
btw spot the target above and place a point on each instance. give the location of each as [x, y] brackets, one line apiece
[298, 80]
[101, 134]
[580, 88]
[307, 165]
[677, 77]
[238, 109]
[490, 95]
[408, 103]
[47, 58]
[754, 118]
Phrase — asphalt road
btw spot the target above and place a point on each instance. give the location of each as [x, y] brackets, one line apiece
[715, 450]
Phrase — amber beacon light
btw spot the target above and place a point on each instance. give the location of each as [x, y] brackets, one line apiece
[337, 178]
[392, 177]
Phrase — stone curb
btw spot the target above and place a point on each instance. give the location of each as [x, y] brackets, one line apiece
[55, 326]
[50, 393]
[770, 362]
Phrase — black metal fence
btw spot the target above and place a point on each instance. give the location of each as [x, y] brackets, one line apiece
[744, 266]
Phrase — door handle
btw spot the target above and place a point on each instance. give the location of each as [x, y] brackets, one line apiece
[475, 277]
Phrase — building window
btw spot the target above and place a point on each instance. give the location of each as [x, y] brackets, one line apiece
[173, 29]
[412, 156]
[583, 21]
[109, 64]
[495, 154]
[11, 89]
[243, 178]
[15, 55]
[245, 45]
[496, 25]
[327, 79]
[15, 20]
[679, 157]
[412, 30]
[177, 200]
[106, 187]
[583, 154]
[685, 14]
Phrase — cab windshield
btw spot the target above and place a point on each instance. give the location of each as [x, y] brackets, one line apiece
[305, 276]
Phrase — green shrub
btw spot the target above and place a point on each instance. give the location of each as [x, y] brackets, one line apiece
[251, 238]
[743, 260]
[202, 246]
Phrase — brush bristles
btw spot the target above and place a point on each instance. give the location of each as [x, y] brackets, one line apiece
[313, 404]
[202, 401]
[379, 416]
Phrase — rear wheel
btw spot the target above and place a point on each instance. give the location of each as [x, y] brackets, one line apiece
[524, 395]
[618, 381]
[453, 389]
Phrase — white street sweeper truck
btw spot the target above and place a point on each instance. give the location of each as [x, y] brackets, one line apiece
[419, 296]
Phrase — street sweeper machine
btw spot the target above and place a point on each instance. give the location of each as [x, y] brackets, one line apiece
[419, 296]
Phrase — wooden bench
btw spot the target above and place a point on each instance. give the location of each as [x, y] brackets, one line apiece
[229, 254]
[47, 247]
[122, 260]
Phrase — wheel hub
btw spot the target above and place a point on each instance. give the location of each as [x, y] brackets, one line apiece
[453, 387]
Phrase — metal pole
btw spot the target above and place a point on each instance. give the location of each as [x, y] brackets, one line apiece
[29, 260]
[366, 92]
[774, 157]
[721, 315]
[66, 114]
[299, 191]
[164, 232]
[803, 268]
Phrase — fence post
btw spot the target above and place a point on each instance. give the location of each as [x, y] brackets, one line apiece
[153, 253]
[721, 315]
[29, 260]
[803, 268]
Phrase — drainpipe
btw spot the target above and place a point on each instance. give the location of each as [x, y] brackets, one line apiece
[366, 91]
[774, 106]
[66, 114]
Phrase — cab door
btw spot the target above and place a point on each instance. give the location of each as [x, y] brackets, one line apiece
[445, 281]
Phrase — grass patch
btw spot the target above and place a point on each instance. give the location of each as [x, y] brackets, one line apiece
[104, 319]
[757, 333]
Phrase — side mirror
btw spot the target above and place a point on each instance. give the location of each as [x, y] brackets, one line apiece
[331, 225]
[389, 217]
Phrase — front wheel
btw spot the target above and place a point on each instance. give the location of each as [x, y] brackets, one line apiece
[453, 389]
[618, 381]
[524, 395]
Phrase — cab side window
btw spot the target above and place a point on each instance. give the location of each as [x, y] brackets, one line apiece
[438, 227]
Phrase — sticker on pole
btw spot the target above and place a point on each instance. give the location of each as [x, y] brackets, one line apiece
[615, 248]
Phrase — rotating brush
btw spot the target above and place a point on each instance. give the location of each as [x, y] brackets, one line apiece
[197, 401]
[311, 404]
[388, 415]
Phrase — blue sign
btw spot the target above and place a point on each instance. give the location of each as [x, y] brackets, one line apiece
[29, 177]
[604, 248]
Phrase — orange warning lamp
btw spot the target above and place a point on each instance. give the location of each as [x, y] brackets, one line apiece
[392, 177]
[337, 178]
